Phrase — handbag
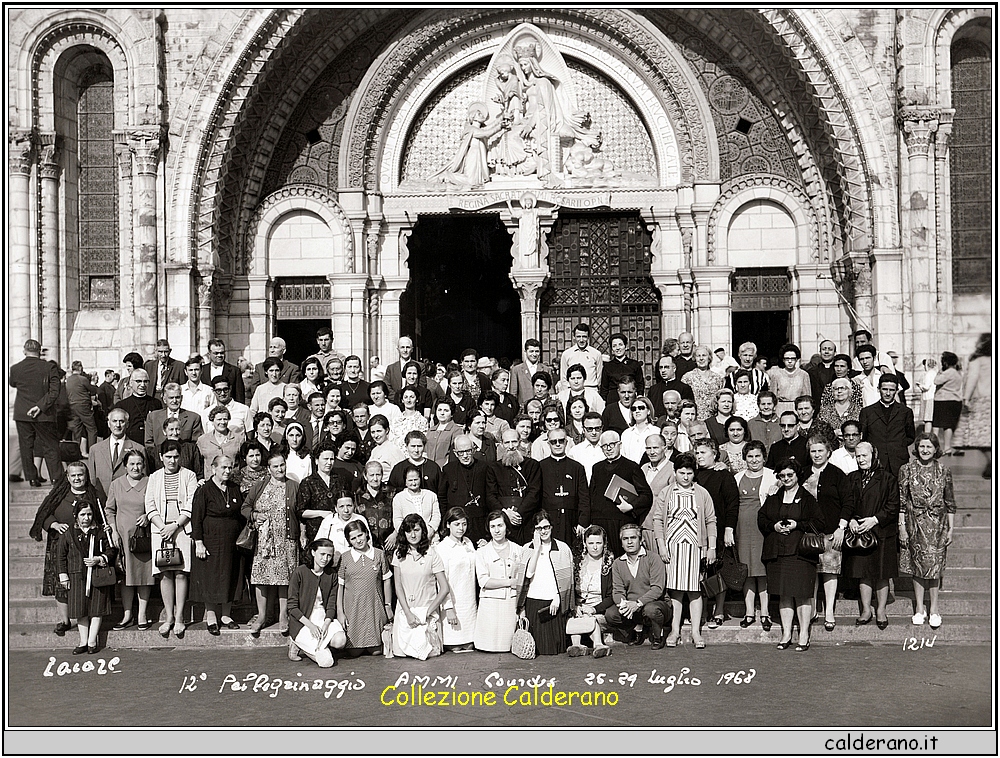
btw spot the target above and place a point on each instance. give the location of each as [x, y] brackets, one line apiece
[522, 644]
[733, 572]
[248, 538]
[863, 541]
[812, 544]
[169, 556]
[103, 576]
[140, 543]
[713, 584]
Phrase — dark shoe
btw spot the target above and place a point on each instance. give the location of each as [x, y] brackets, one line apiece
[765, 622]
[35, 482]
[748, 621]
[179, 630]
[801, 648]
[94, 649]
[229, 624]
[715, 622]
[659, 642]
[862, 622]
[637, 638]
[882, 624]
[784, 645]
[164, 629]
[144, 625]
[255, 629]
[79, 650]
[14, 478]
[829, 625]
[61, 628]
[124, 624]
[213, 629]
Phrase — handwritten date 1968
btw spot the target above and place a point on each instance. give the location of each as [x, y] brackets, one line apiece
[737, 677]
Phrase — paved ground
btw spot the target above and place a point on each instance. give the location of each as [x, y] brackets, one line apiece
[828, 686]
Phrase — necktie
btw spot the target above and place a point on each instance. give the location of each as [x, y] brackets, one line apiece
[114, 453]
[163, 376]
[316, 432]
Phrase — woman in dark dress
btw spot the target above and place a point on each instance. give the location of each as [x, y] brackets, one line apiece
[375, 504]
[875, 509]
[55, 517]
[317, 496]
[783, 519]
[726, 498]
[215, 524]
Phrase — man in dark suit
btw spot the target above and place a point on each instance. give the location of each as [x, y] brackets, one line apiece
[619, 367]
[791, 445]
[107, 457]
[463, 484]
[617, 417]
[106, 391]
[522, 371]
[191, 428]
[217, 366]
[289, 371]
[163, 370]
[888, 425]
[565, 491]
[514, 485]
[394, 371]
[37, 385]
[624, 508]
[139, 405]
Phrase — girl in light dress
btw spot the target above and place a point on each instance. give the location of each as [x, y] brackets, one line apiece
[459, 557]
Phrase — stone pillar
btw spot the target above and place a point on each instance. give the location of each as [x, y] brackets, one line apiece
[145, 147]
[389, 317]
[50, 304]
[942, 225]
[887, 300]
[347, 296]
[714, 327]
[206, 310]
[919, 127]
[529, 285]
[666, 249]
[529, 228]
[21, 155]
[261, 313]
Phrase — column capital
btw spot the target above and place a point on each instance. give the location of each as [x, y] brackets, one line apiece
[919, 124]
[21, 148]
[49, 156]
[144, 143]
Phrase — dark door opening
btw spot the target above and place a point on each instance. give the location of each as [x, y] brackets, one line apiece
[460, 294]
[768, 330]
[299, 336]
[761, 310]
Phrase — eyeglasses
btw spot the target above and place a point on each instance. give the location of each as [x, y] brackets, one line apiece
[220, 389]
[592, 428]
[609, 445]
[558, 441]
[552, 419]
[544, 528]
[788, 426]
[786, 476]
[463, 452]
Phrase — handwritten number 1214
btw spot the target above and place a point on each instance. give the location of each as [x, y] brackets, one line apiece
[910, 643]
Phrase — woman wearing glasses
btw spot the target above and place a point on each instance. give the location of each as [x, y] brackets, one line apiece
[552, 417]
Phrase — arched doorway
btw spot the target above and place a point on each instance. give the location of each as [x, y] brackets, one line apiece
[460, 294]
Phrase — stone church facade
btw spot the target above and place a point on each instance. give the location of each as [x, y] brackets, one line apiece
[771, 174]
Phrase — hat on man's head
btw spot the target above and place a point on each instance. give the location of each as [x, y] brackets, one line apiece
[484, 362]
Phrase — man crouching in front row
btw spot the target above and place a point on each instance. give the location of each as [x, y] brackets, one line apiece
[638, 579]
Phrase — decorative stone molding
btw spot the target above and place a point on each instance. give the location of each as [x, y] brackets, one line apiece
[940, 37]
[919, 126]
[145, 146]
[777, 189]
[21, 152]
[294, 197]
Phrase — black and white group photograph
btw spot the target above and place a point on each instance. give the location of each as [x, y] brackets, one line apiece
[576, 374]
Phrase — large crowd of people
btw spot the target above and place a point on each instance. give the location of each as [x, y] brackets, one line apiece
[425, 508]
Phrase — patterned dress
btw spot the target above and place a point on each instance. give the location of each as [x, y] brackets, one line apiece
[276, 556]
[975, 427]
[704, 385]
[362, 576]
[926, 497]
[681, 533]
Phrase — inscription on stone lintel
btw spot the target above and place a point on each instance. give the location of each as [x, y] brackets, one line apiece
[479, 201]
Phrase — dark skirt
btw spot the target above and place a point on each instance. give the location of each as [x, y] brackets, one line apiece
[947, 413]
[549, 631]
[881, 562]
[214, 580]
[791, 576]
[98, 604]
[50, 580]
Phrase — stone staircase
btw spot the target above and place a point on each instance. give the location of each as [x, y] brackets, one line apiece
[967, 593]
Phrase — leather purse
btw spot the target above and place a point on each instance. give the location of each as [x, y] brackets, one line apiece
[863, 541]
[140, 543]
[103, 576]
[248, 538]
[812, 544]
[713, 584]
[169, 556]
[733, 572]
[523, 644]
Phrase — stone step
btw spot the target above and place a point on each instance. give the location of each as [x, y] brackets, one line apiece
[978, 537]
[956, 630]
[952, 603]
[42, 610]
[968, 558]
[973, 517]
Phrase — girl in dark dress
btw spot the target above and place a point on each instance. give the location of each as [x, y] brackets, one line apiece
[216, 522]
[875, 508]
[783, 519]
[81, 548]
[54, 518]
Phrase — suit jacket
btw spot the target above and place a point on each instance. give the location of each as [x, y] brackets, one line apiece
[175, 373]
[394, 378]
[520, 382]
[99, 462]
[37, 383]
[613, 418]
[232, 375]
[311, 440]
[191, 428]
[664, 477]
[615, 370]
[890, 430]
[106, 395]
[834, 496]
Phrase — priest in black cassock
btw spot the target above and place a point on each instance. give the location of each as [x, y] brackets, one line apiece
[463, 483]
[514, 485]
[564, 488]
[626, 508]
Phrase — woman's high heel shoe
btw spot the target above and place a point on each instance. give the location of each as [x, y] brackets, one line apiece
[862, 622]
[765, 622]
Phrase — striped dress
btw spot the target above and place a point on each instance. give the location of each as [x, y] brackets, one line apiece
[681, 532]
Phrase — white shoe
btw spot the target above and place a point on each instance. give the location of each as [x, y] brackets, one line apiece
[935, 620]
[919, 619]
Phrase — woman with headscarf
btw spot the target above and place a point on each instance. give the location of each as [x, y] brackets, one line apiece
[870, 554]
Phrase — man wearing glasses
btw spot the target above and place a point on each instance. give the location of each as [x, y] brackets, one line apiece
[612, 505]
[513, 485]
[588, 452]
[240, 419]
[139, 405]
[540, 448]
[463, 484]
[791, 444]
[564, 487]
[845, 457]
[217, 366]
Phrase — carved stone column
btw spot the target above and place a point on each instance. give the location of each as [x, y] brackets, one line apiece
[261, 314]
[145, 147]
[20, 156]
[942, 237]
[389, 316]
[862, 288]
[206, 309]
[50, 300]
[529, 227]
[919, 127]
[347, 295]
